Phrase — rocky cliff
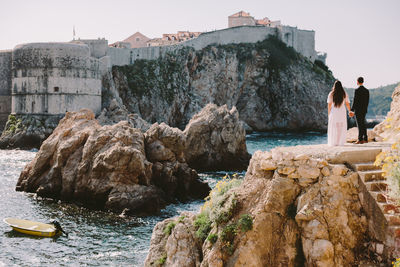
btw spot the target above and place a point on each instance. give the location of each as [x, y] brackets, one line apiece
[390, 128]
[295, 207]
[272, 86]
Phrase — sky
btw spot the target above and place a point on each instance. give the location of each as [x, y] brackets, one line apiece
[361, 37]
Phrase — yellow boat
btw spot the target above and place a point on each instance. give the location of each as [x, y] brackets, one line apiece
[31, 227]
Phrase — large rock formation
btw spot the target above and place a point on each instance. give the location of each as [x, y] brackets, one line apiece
[272, 86]
[105, 167]
[292, 209]
[390, 128]
[216, 140]
[165, 149]
[27, 131]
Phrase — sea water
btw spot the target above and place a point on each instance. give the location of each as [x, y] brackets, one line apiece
[95, 238]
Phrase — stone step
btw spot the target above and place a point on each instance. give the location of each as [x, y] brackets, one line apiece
[376, 186]
[366, 166]
[375, 175]
[379, 197]
[393, 219]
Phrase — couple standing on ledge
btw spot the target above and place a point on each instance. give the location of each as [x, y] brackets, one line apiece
[338, 100]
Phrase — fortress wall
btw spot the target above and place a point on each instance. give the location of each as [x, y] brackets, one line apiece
[242, 34]
[52, 78]
[5, 86]
[306, 44]
[302, 41]
[98, 47]
[119, 56]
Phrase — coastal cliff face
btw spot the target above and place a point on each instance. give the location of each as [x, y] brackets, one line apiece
[272, 86]
[291, 209]
[389, 129]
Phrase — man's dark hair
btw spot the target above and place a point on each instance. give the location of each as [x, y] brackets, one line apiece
[360, 80]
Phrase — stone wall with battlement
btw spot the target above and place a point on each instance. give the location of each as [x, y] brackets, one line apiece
[5, 86]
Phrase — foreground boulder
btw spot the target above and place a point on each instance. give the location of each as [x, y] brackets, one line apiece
[98, 166]
[290, 210]
[389, 129]
[216, 140]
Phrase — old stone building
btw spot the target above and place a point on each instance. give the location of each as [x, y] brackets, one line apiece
[242, 18]
[135, 40]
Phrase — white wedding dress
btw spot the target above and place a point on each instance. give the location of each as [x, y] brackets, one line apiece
[337, 123]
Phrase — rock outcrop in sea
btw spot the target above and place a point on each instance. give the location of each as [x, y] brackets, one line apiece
[272, 86]
[114, 167]
[27, 131]
[298, 206]
[389, 129]
[216, 140]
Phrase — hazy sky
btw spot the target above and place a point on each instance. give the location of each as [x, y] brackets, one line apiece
[361, 37]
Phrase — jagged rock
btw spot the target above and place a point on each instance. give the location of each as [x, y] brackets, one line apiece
[117, 112]
[216, 140]
[180, 247]
[319, 223]
[165, 148]
[100, 166]
[27, 131]
[389, 128]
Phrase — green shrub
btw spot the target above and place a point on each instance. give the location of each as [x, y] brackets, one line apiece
[225, 209]
[203, 226]
[168, 229]
[181, 218]
[227, 237]
[228, 233]
[212, 238]
[246, 222]
[161, 261]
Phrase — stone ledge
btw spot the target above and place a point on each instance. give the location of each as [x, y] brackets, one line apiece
[349, 153]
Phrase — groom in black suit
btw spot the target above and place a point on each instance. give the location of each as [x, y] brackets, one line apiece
[360, 108]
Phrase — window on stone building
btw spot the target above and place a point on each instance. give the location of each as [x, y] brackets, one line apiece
[56, 89]
[137, 39]
[33, 106]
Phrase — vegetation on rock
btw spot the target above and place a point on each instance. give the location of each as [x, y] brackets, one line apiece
[390, 163]
[169, 227]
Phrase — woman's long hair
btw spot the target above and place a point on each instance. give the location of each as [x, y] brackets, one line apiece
[338, 93]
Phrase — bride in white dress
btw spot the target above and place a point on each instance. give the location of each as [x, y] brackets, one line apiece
[338, 100]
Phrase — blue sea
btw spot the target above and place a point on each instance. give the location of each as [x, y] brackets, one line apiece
[95, 238]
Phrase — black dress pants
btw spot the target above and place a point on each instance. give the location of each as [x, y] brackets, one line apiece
[362, 129]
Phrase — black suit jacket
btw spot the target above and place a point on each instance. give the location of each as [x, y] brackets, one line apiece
[361, 100]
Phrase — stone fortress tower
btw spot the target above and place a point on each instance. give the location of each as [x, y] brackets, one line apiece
[53, 78]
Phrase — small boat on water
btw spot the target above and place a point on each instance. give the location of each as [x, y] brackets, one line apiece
[34, 228]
